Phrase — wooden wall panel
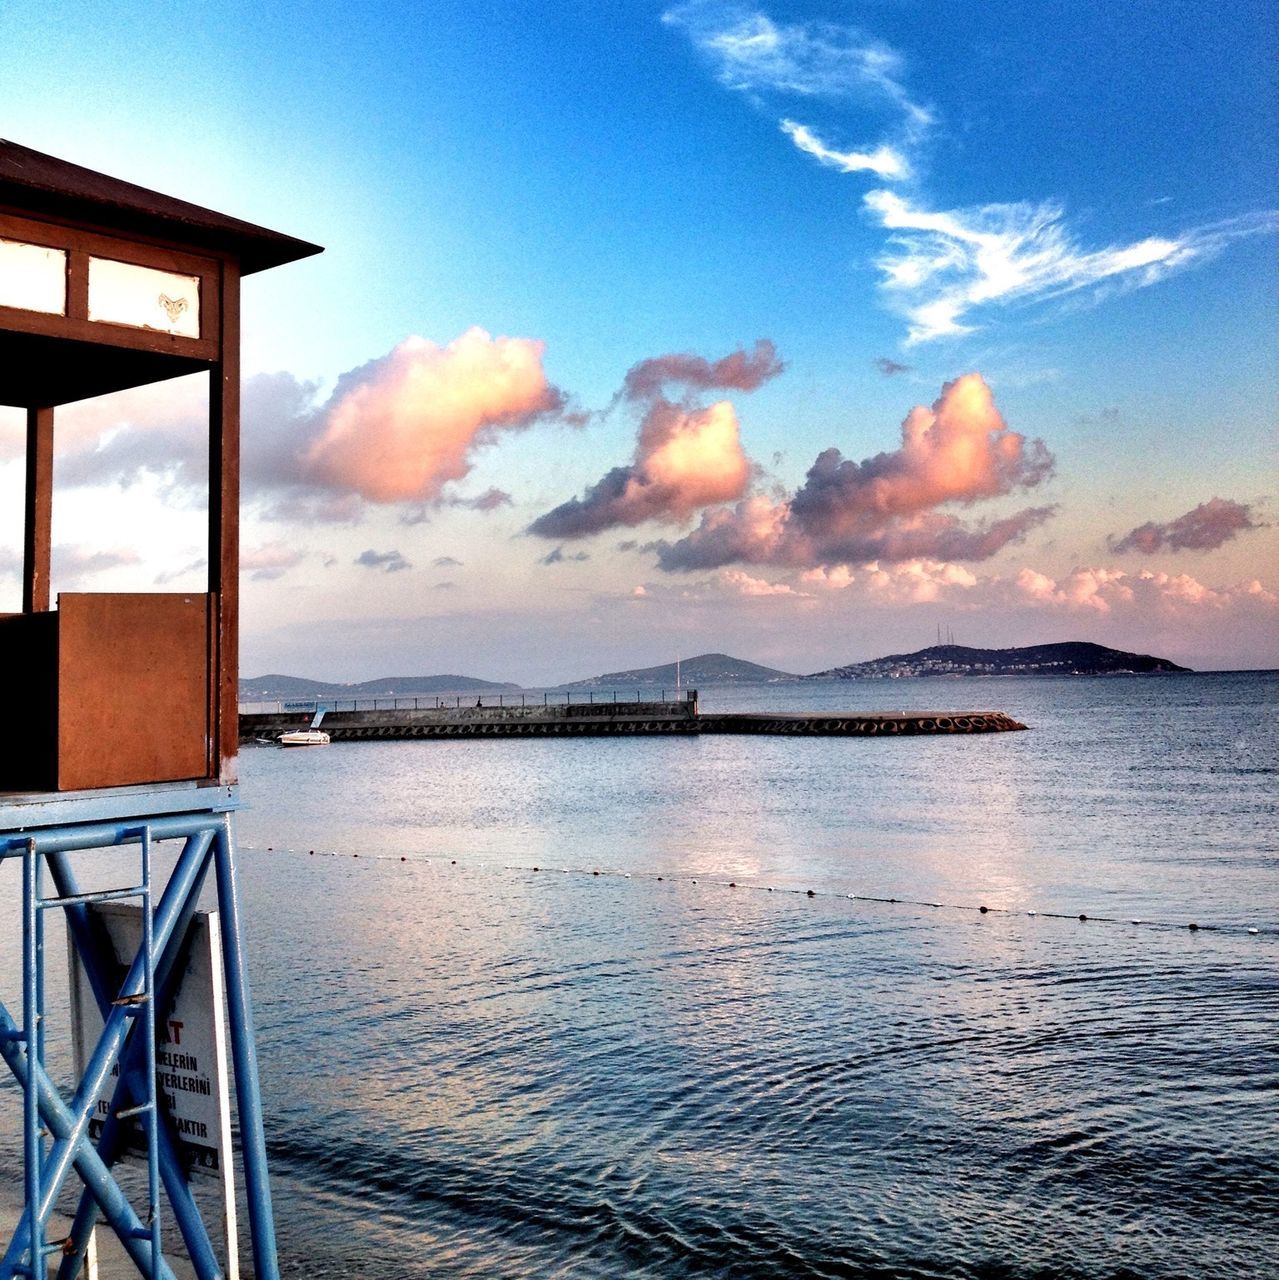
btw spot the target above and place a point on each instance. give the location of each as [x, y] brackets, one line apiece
[133, 689]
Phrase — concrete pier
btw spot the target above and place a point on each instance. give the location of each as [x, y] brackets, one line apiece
[610, 719]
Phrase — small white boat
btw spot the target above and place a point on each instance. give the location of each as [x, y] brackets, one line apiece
[304, 738]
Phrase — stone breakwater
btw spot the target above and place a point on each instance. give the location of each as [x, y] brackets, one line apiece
[619, 718]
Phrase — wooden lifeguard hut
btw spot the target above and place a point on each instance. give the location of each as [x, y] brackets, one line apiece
[123, 707]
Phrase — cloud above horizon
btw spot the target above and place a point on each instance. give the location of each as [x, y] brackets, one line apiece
[270, 561]
[958, 452]
[401, 427]
[686, 458]
[387, 561]
[1206, 528]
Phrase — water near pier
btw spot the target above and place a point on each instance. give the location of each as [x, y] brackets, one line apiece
[475, 1069]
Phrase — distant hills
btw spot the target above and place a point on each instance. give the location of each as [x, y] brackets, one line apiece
[299, 688]
[705, 669]
[1072, 658]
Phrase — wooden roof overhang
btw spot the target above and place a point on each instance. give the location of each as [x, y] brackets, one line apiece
[89, 230]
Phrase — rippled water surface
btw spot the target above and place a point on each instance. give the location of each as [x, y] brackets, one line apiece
[688, 1066]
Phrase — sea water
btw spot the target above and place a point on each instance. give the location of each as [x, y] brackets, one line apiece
[683, 1006]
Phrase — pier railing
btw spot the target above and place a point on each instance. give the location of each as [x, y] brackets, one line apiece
[442, 702]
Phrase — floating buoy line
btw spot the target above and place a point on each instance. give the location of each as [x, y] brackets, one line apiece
[981, 909]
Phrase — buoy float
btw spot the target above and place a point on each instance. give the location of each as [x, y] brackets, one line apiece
[1082, 916]
[983, 910]
[812, 893]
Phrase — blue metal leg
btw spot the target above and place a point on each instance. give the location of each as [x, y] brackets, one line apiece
[245, 1055]
[32, 1016]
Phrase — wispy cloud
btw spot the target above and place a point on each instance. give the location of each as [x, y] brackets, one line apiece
[943, 266]
[945, 271]
[1206, 528]
[751, 53]
[813, 63]
[884, 161]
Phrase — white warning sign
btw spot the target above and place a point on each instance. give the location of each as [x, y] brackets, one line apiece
[190, 1056]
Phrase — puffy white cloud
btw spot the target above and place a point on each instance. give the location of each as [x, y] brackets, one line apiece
[686, 458]
[958, 452]
[745, 585]
[401, 427]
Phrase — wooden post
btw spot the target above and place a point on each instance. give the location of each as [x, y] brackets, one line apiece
[224, 525]
[36, 547]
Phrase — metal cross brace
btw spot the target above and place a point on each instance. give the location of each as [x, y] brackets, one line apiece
[208, 837]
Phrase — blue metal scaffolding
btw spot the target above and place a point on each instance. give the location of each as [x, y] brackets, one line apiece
[41, 835]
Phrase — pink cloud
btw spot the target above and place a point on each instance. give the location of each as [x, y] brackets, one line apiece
[959, 452]
[686, 457]
[401, 427]
[1104, 591]
[1205, 528]
[738, 371]
[270, 561]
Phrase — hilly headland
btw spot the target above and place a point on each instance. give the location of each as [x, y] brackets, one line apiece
[1069, 658]
[278, 688]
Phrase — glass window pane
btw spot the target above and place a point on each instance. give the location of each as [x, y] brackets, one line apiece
[144, 298]
[33, 277]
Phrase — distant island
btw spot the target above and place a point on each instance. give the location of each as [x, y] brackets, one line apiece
[705, 669]
[299, 688]
[1072, 658]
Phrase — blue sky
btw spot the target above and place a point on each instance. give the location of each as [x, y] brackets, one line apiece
[1072, 204]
